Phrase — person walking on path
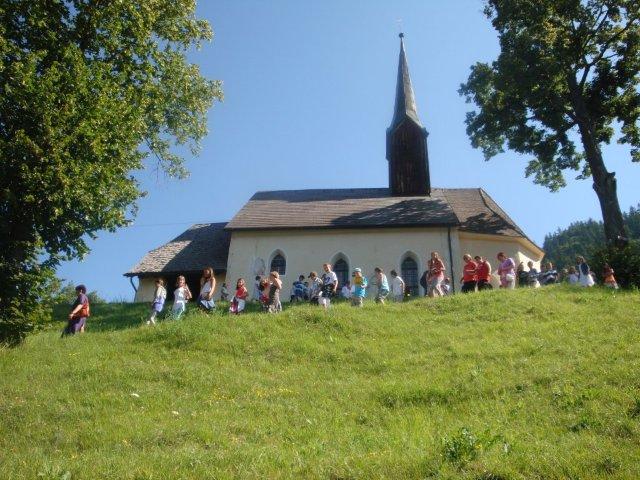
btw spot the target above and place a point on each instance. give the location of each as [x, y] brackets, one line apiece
[484, 273]
[207, 289]
[470, 274]
[275, 285]
[506, 270]
[436, 270]
[609, 278]
[359, 288]
[238, 301]
[181, 296]
[382, 284]
[397, 287]
[584, 272]
[80, 311]
[329, 286]
[159, 297]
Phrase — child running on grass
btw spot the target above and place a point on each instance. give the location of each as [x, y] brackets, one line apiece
[239, 299]
[80, 311]
[159, 297]
[181, 296]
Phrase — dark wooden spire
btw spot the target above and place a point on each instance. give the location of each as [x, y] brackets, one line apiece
[407, 139]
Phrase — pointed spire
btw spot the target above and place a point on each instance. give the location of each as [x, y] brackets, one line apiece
[405, 99]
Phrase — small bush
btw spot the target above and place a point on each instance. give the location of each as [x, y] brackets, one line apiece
[624, 261]
[462, 447]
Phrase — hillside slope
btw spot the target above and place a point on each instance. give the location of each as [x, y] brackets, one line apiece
[500, 385]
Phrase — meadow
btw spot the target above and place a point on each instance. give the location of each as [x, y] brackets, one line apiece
[529, 384]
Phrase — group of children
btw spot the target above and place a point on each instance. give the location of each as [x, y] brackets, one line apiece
[321, 289]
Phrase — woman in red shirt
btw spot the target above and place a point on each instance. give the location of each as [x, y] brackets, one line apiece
[435, 278]
[470, 276]
[484, 273]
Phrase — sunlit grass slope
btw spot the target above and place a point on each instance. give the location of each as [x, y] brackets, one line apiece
[502, 385]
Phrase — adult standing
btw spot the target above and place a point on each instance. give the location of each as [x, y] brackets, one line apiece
[397, 287]
[484, 273]
[507, 271]
[329, 285]
[436, 269]
[584, 272]
[207, 289]
[469, 274]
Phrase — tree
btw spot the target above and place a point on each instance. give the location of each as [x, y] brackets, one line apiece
[584, 238]
[567, 72]
[91, 91]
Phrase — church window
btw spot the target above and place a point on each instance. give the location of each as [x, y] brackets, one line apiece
[279, 264]
[409, 269]
[341, 267]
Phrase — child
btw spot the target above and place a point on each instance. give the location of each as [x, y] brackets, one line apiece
[79, 312]
[446, 286]
[329, 286]
[275, 284]
[181, 296]
[359, 288]
[346, 290]
[157, 305]
[573, 277]
[224, 292]
[383, 285]
[609, 279]
[263, 297]
[240, 298]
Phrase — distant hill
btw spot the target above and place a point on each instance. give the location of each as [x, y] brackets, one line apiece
[583, 238]
[531, 383]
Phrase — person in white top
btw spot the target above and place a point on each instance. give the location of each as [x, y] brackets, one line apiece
[329, 286]
[397, 287]
[159, 296]
[181, 296]
[207, 289]
[346, 290]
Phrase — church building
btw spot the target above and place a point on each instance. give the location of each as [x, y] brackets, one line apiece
[294, 232]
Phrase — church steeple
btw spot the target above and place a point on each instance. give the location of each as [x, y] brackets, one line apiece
[407, 139]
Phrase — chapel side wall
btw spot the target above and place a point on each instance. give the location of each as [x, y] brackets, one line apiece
[307, 250]
[488, 246]
[146, 289]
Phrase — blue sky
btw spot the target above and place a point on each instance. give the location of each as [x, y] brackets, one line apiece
[309, 91]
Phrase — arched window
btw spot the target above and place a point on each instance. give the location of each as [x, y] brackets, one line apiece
[409, 269]
[278, 264]
[341, 267]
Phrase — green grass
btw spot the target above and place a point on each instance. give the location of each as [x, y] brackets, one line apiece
[501, 385]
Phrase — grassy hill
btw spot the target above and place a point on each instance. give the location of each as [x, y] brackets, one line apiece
[500, 385]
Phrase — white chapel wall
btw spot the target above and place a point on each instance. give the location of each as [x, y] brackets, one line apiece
[307, 250]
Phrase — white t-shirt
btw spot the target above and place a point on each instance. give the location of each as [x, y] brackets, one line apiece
[396, 286]
[180, 295]
[346, 292]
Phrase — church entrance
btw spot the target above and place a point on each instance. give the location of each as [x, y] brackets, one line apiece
[409, 273]
[341, 267]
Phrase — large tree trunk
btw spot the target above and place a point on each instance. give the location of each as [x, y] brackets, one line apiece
[604, 182]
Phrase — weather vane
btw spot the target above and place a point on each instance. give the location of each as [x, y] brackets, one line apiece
[401, 35]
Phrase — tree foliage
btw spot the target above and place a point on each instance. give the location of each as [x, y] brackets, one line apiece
[584, 238]
[567, 73]
[90, 91]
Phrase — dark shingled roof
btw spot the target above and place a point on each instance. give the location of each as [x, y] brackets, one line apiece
[470, 209]
[202, 245]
